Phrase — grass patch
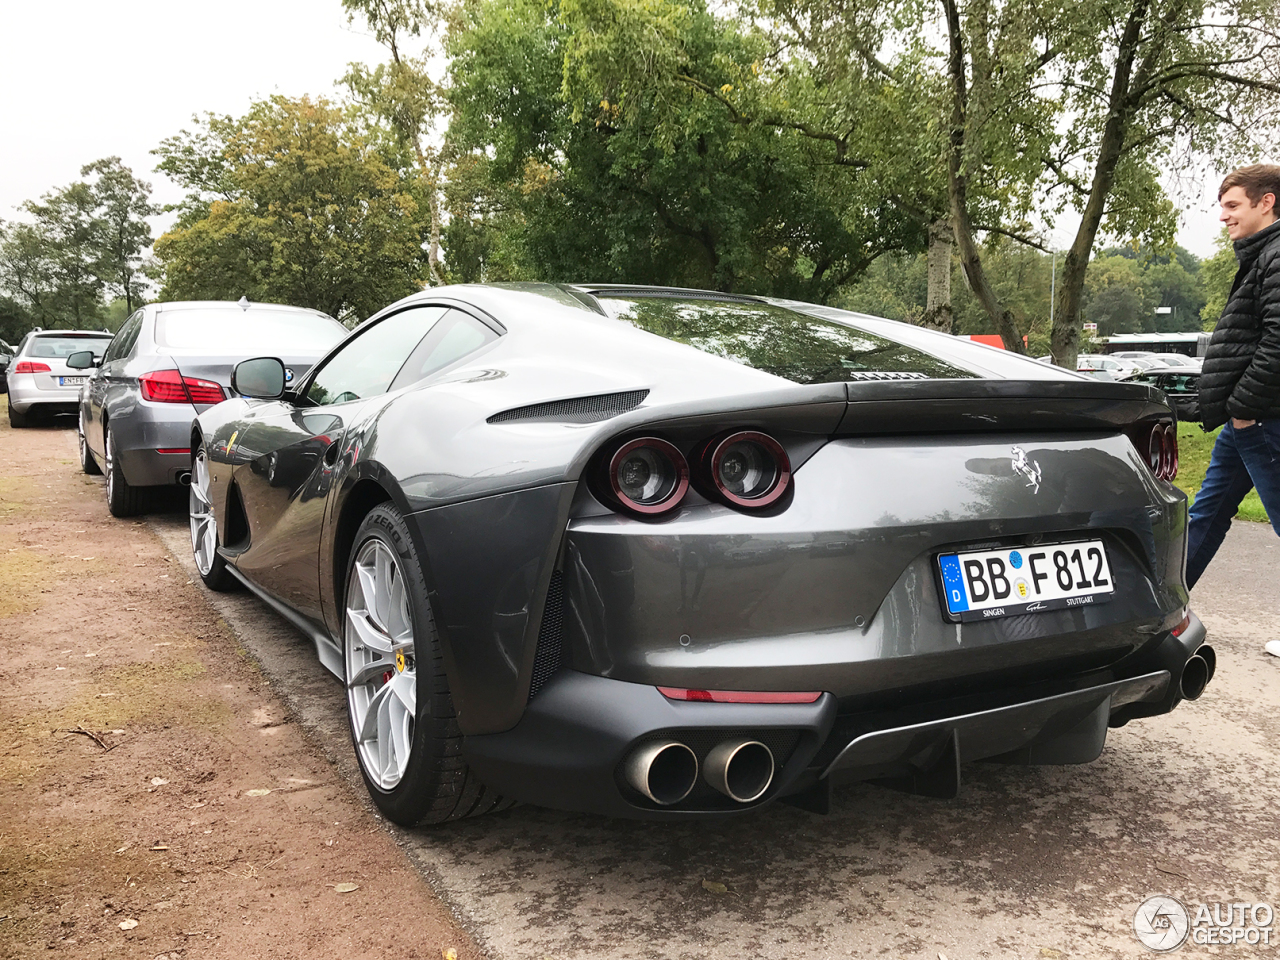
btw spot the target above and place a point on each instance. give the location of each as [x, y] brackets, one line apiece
[1194, 449]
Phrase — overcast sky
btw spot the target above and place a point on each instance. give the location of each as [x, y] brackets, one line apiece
[83, 80]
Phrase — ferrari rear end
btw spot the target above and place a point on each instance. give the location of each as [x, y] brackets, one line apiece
[900, 571]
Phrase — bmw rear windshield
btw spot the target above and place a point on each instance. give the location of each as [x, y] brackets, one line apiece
[247, 331]
[795, 346]
[52, 346]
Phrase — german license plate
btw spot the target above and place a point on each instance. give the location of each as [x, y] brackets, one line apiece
[71, 381]
[984, 584]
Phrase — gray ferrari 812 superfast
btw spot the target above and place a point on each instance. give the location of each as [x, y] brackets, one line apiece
[652, 552]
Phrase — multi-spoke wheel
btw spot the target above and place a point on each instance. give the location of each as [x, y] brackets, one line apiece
[123, 500]
[87, 463]
[382, 677]
[402, 719]
[204, 527]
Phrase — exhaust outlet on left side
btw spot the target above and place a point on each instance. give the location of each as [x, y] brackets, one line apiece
[665, 771]
[740, 769]
[184, 478]
[1198, 672]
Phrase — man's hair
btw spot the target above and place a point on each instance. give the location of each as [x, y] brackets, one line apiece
[1257, 179]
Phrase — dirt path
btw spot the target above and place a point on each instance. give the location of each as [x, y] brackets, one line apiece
[157, 800]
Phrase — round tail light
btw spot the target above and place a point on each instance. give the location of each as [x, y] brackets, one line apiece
[648, 476]
[1155, 450]
[749, 469]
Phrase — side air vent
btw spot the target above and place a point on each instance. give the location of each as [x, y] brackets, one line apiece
[546, 661]
[857, 375]
[574, 410]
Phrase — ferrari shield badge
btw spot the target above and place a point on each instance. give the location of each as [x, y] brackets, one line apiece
[1028, 469]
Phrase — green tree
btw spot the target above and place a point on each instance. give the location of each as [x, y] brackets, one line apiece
[403, 93]
[1217, 274]
[298, 202]
[122, 204]
[1116, 297]
[572, 171]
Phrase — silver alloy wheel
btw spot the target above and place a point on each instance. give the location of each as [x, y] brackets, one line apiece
[204, 525]
[110, 463]
[382, 678]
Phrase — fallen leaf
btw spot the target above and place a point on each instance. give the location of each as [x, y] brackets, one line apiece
[712, 886]
[159, 846]
[128, 924]
[158, 781]
[125, 847]
[345, 887]
[257, 792]
[448, 953]
[941, 955]
[1049, 952]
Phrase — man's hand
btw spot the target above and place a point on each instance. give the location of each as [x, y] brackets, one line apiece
[1241, 424]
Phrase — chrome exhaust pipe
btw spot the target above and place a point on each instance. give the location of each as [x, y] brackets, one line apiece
[665, 771]
[1195, 677]
[1207, 654]
[740, 769]
[184, 478]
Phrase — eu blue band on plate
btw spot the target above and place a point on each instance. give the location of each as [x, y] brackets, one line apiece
[953, 583]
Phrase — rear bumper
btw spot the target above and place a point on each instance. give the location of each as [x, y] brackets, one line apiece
[143, 433]
[25, 395]
[569, 749]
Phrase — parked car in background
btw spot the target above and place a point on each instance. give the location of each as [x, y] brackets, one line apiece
[1106, 368]
[1180, 386]
[39, 379]
[670, 554]
[6, 357]
[1179, 362]
[168, 363]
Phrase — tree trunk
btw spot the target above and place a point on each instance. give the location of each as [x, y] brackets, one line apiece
[958, 191]
[1064, 338]
[937, 312]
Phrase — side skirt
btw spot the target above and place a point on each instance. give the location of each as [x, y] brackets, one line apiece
[330, 653]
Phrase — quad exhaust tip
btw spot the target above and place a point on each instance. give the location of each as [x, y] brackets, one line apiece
[665, 771]
[740, 769]
[1198, 672]
[184, 478]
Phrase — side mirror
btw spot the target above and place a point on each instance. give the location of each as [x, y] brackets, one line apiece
[81, 360]
[261, 378]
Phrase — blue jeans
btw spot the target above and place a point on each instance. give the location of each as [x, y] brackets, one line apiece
[1242, 460]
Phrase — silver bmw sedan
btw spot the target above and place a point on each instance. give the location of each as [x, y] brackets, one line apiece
[168, 363]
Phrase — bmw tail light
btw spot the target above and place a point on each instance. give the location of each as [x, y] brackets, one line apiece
[170, 386]
[648, 476]
[1158, 445]
[203, 391]
[745, 469]
[28, 366]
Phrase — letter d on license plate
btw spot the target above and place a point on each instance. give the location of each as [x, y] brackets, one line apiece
[984, 584]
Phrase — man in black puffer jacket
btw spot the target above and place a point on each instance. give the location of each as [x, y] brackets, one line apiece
[1240, 381]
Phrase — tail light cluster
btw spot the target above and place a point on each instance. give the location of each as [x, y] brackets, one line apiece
[1157, 443]
[170, 386]
[29, 366]
[649, 476]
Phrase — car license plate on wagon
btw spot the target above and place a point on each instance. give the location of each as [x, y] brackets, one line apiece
[71, 381]
[985, 584]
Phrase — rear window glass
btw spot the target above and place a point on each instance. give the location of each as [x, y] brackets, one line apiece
[58, 347]
[247, 331]
[799, 348]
